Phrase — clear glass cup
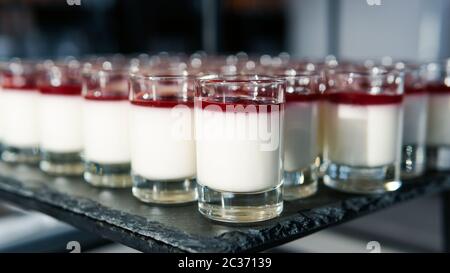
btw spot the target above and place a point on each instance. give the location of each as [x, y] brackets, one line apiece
[415, 121]
[301, 147]
[363, 135]
[240, 144]
[438, 132]
[162, 138]
[326, 68]
[106, 155]
[60, 118]
[19, 112]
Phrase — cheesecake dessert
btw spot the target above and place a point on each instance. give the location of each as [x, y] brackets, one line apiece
[162, 139]
[364, 132]
[301, 139]
[438, 133]
[414, 130]
[107, 159]
[240, 144]
[60, 119]
[415, 104]
[19, 113]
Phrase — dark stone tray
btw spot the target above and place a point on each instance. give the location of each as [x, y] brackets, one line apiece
[118, 216]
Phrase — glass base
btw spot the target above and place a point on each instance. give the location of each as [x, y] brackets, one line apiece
[300, 184]
[164, 192]
[20, 155]
[107, 175]
[413, 161]
[438, 158]
[66, 164]
[240, 207]
[362, 180]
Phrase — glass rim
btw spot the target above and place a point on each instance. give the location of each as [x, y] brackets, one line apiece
[381, 72]
[115, 71]
[254, 79]
[21, 60]
[299, 74]
[29, 64]
[163, 76]
[404, 66]
[47, 65]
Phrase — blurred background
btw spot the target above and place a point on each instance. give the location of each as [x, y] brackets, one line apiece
[407, 29]
[349, 29]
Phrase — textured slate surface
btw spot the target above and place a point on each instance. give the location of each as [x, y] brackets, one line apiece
[116, 215]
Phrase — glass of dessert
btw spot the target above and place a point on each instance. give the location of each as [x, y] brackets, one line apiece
[60, 118]
[239, 131]
[106, 152]
[364, 114]
[301, 147]
[415, 120]
[438, 132]
[326, 69]
[163, 160]
[19, 112]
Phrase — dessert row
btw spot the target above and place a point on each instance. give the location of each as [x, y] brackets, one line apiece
[239, 134]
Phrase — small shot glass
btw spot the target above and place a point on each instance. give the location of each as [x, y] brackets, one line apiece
[19, 112]
[415, 121]
[60, 118]
[301, 147]
[106, 153]
[438, 132]
[326, 68]
[162, 138]
[364, 131]
[240, 134]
